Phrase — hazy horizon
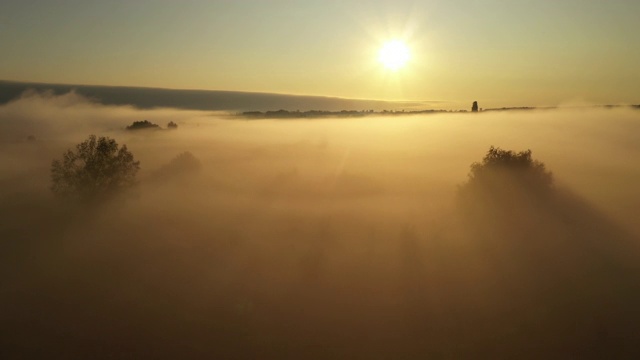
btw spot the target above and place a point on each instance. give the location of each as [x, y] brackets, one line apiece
[144, 216]
[239, 101]
[197, 99]
[540, 53]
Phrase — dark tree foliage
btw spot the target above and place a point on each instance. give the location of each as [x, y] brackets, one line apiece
[144, 124]
[506, 169]
[172, 126]
[506, 184]
[95, 169]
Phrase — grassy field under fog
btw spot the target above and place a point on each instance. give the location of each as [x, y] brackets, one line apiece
[333, 238]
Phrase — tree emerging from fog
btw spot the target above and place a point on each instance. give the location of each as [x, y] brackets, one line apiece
[505, 182]
[142, 125]
[501, 167]
[182, 166]
[97, 168]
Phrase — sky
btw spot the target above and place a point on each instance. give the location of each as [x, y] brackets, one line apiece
[501, 53]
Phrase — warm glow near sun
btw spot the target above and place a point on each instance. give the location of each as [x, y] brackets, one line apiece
[394, 54]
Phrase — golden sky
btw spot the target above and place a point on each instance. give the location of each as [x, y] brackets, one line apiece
[501, 53]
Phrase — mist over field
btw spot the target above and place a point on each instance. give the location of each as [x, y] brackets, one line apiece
[324, 238]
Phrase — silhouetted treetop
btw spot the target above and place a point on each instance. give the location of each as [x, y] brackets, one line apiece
[95, 169]
[144, 124]
[501, 170]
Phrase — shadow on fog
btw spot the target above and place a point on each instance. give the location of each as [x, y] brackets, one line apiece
[544, 271]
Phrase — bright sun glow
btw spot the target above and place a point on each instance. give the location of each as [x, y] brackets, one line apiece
[394, 55]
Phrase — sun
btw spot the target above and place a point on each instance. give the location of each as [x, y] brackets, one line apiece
[393, 55]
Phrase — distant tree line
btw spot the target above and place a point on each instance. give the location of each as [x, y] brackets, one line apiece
[322, 113]
[148, 125]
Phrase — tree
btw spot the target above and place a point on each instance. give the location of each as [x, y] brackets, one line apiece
[172, 126]
[142, 125]
[518, 168]
[94, 170]
[506, 185]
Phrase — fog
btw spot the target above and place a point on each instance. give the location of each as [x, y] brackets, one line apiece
[324, 238]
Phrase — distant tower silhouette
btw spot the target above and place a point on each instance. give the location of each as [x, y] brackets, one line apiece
[474, 108]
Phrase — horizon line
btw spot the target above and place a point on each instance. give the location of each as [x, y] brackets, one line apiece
[227, 91]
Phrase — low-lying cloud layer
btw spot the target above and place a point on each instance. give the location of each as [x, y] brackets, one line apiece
[331, 238]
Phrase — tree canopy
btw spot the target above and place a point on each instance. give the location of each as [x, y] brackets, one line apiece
[518, 168]
[142, 125]
[95, 169]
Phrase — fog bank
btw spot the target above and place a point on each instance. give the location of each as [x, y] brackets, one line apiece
[325, 238]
